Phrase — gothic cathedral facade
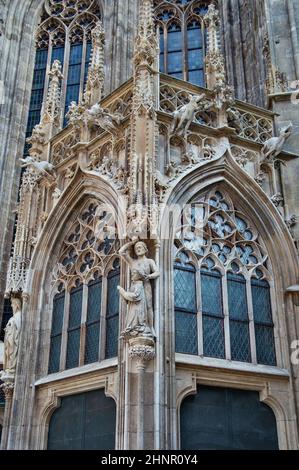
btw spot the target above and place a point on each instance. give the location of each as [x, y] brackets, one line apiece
[149, 224]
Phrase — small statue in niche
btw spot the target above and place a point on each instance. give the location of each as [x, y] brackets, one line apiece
[11, 340]
[140, 318]
[184, 116]
[273, 147]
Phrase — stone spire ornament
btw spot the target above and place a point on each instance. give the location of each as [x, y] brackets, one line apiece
[51, 110]
[142, 162]
[96, 75]
[215, 68]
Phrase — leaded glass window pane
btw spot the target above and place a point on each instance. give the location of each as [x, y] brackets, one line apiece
[237, 298]
[93, 322]
[213, 337]
[112, 317]
[263, 322]
[238, 318]
[186, 338]
[74, 75]
[185, 289]
[186, 332]
[261, 301]
[213, 322]
[74, 328]
[56, 333]
[211, 292]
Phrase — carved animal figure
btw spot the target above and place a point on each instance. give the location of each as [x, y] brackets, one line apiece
[43, 167]
[102, 118]
[273, 147]
[185, 115]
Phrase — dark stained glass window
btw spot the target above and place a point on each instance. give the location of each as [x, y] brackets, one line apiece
[74, 328]
[212, 313]
[112, 314]
[238, 318]
[185, 309]
[92, 338]
[56, 333]
[263, 322]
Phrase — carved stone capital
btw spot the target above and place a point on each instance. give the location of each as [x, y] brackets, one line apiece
[143, 350]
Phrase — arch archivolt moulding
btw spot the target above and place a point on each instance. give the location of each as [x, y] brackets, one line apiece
[48, 398]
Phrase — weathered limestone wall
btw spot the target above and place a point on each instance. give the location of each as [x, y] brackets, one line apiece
[243, 29]
[283, 24]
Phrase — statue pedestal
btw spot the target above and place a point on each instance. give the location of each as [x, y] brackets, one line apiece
[140, 398]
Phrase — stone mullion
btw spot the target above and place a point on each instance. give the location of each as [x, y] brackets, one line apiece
[64, 331]
[226, 317]
[251, 321]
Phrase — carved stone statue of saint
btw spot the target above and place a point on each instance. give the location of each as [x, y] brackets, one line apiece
[140, 317]
[11, 339]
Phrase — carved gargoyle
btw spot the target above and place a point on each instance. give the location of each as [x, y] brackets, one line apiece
[184, 116]
[101, 117]
[43, 168]
[273, 147]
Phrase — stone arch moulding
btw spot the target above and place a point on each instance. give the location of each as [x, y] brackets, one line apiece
[82, 188]
[56, 392]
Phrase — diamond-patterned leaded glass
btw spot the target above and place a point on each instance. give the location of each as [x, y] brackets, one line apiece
[213, 323]
[263, 323]
[213, 337]
[74, 328]
[186, 332]
[112, 316]
[237, 299]
[93, 322]
[239, 341]
[186, 339]
[238, 318]
[265, 345]
[185, 289]
[211, 293]
[56, 333]
[261, 301]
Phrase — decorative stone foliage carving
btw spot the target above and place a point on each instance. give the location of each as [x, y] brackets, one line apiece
[63, 149]
[89, 245]
[103, 163]
[243, 155]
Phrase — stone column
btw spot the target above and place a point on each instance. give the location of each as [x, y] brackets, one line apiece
[141, 353]
[8, 388]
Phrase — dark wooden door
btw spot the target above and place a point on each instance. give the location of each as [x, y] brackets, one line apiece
[85, 421]
[227, 419]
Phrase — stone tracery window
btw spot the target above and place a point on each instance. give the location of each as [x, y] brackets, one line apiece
[85, 312]
[182, 38]
[222, 279]
[63, 34]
